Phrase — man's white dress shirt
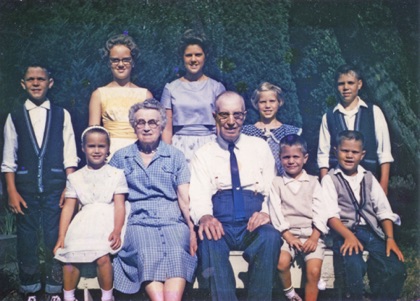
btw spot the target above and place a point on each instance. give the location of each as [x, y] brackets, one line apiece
[210, 172]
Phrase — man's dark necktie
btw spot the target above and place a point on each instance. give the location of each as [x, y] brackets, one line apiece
[238, 198]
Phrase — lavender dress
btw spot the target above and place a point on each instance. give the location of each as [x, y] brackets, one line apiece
[192, 105]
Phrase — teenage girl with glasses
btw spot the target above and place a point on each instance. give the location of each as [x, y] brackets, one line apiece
[109, 105]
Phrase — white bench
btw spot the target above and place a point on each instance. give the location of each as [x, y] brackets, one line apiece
[86, 284]
[239, 265]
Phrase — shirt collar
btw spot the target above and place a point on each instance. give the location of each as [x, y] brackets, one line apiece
[224, 144]
[303, 178]
[360, 103]
[162, 149]
[360, 172]
[29, 105]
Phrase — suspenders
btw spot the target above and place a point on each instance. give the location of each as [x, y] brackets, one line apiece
[357, 207]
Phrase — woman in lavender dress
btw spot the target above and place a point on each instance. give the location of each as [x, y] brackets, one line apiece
[267, 99]
[189, 100]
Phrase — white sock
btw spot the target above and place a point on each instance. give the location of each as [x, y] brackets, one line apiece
[289, 292]
[69, 295]
[106, 295]
[322, 285]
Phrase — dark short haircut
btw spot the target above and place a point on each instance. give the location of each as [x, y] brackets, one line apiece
[346, 69]
[120, 39]
[193, 37]
[350, 135]
[37, 65]
[294, 140]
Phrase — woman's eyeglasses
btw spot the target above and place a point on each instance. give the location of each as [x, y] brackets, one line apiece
[141, 123]
[125, 61]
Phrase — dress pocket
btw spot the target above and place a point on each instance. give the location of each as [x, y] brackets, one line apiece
[168, 175]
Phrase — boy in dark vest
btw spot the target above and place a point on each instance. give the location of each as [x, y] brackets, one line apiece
[39, 152]
[362, 219]
[352, 113]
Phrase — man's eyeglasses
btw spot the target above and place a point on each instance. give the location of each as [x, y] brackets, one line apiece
[141, 123]
[223, 116]
[115, 61]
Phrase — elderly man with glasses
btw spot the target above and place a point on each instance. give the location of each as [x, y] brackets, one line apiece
[230, 183]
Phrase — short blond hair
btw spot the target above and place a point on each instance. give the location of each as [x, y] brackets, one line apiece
[263, 87]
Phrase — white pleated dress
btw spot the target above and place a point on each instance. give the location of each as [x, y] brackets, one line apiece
[87, 236]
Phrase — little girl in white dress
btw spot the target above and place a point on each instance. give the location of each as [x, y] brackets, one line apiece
[97, 230]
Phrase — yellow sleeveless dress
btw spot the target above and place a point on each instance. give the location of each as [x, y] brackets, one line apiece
[115, 104]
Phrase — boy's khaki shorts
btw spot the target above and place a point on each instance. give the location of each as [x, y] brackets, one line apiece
[317, 254]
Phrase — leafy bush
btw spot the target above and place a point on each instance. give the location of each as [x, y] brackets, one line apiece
[411, 290]
[7, 222]
[249, 45]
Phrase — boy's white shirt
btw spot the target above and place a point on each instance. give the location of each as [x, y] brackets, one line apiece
[381, 133]
[38, 115]
[320, 214]
[379, 200]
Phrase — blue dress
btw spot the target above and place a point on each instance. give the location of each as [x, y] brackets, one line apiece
[273, 138]
[157, 238]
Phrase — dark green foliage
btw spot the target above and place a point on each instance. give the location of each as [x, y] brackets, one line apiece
[325, 34]
[67, 35]
[403, 121]
[295, 44]
[317, 56]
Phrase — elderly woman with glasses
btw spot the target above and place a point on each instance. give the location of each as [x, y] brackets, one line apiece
[160, 242]
[109, 105]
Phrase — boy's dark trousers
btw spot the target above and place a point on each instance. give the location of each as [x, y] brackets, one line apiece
[41, 219]
[386, 274]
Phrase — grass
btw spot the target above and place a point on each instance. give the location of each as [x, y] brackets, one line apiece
[7, 221]
[9, 282]
[410, 246]
[7, 218]
[411, 289]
